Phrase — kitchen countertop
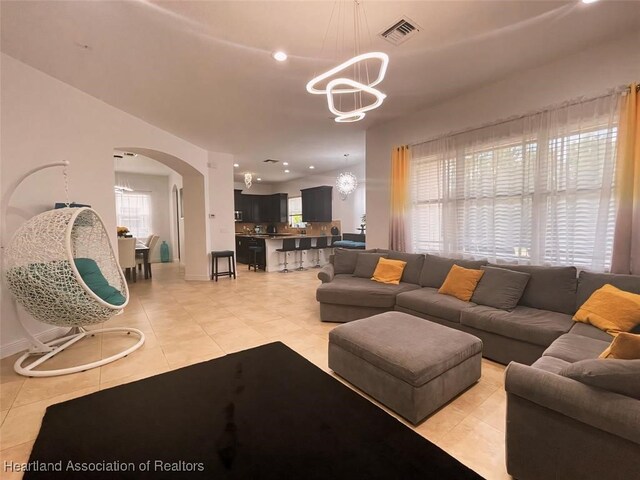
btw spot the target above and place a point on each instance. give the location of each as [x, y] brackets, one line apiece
[279, 236]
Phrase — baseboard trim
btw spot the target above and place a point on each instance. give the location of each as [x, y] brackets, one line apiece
[24, 344]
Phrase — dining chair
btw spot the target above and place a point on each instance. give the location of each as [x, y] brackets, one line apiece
[152, 240]
[127, 257]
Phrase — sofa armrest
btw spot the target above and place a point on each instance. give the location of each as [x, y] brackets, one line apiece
[327, 273]
[604, 410]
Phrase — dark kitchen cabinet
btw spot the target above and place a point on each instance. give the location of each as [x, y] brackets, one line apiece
[262, 208]
[244, 255]
[317, 203]
[278, 208]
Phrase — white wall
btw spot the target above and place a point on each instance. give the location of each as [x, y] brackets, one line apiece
[349, 211]
[221, 219]
[158, 188]
[256, 188]
[590, 72]
[43, 120]
[176, 223]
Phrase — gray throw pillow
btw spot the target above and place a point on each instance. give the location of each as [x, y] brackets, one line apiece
[413, 268]
[436, 269]
[500, 288]
[619, 376]
[549, 288]
[366, 264]
[344, 260]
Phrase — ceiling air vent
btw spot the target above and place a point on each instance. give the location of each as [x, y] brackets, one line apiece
[270, 160]
[401, 31]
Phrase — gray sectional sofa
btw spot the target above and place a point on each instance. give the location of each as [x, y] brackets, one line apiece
[566, 418]
[543, 313]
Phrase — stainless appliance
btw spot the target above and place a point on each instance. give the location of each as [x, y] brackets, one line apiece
[238, 215]
[259, 229]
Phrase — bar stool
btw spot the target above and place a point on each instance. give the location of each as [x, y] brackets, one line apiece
[304, 246]
[255, 248]
[288, 245]
[321, 244]
[230, 256]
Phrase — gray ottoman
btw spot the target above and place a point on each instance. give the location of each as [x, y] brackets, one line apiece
[411, 365]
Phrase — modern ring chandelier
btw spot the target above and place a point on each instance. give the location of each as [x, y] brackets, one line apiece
[348, 85]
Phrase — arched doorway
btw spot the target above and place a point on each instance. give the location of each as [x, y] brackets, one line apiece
[191, 212]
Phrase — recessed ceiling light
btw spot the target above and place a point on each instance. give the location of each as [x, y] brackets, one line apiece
[286, 171]
[589, 1]
[236, 165]
[285, 163]
[311, 167]
[280, 56]
[259, 179]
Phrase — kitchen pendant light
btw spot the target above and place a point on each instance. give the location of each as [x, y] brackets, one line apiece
[247, 180]
[347, 182]
[350, 80]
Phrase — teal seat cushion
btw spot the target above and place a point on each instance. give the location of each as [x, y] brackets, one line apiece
[93, 278]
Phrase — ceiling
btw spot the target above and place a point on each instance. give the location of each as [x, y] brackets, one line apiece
[203, 70]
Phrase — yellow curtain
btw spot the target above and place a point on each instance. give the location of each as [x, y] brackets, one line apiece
[400, 159]
[626, 242]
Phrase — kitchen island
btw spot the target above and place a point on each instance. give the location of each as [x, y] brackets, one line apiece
[271, 260]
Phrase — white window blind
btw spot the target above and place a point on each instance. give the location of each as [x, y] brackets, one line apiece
[295, 212]
[536, 190]
[133, 210]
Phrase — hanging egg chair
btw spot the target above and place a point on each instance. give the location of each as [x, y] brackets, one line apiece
[62, 270]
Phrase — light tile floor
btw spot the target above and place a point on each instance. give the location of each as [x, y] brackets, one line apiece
[190, 322]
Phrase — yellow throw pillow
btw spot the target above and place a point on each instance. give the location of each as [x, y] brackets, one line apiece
[626, 346]
[461, 282]
[389, 271]
[610, 309]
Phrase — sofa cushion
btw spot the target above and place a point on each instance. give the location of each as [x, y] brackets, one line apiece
[344, 261]
[550, 364]
[436, 269]
[549, 288]
[389, 271]
[573, 348]
[611, 309]
[589, 282]
[405, 346]
[619, 376]
[531, 325]
[366, 264]
[626, 346]
[430, 302]
[461, 282]
[590, 331]
[500, 288]
[415, 262]
[349, 290]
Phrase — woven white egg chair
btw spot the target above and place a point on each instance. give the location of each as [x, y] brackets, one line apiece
[42, 263]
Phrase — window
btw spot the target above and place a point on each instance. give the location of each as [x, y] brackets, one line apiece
[537, 190]
[295, 212]
[133, 210]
